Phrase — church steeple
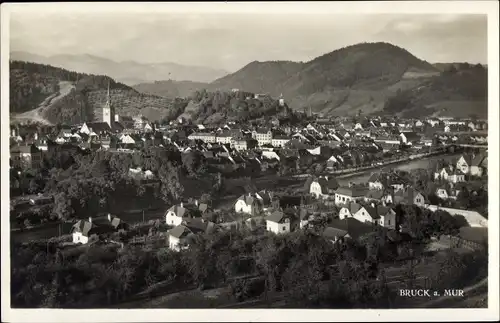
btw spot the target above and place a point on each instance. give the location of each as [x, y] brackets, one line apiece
[108, 111]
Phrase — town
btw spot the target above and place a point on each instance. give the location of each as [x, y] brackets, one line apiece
[237, 204]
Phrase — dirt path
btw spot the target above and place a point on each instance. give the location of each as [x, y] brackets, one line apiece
[36, 115]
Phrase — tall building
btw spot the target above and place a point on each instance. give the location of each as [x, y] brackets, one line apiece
[108, 111]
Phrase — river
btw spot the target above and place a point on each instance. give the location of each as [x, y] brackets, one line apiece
[414, 164]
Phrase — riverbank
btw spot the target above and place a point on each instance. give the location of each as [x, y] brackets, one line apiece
[351, 172]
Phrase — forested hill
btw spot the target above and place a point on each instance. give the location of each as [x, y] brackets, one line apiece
[357, 78]
[36, 92]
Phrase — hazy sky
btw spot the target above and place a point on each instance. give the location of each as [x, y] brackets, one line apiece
[231, 41]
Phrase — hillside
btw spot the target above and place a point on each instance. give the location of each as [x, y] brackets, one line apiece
[46, 94]
[170, 88]
[361, 77]
[127, 72]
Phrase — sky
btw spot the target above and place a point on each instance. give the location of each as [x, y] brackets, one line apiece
[231, 40]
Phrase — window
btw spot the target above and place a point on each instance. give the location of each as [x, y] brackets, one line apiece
[389, 222]
[284, 228]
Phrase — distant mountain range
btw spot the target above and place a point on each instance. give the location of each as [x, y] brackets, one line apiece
[127, 72]
[368, 78]
[358, 78]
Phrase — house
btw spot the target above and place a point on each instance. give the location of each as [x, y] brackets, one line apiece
[348, 228]
[180, 237]
[409, 138]
[323, 187]
[263, 136]
[178, 213]
[382, 180]
[206, 137]
[347, 194]
[278, 222]
[380, 195]
[240, 144]
[409, 196]
[348, 210]
[26, 156]
[250, 204]
[442, 174]
[380, 215]
[305, 216]
[280, 141]
[84, 229]
[456, 177]
[478, 165]
[224, 137]
[445, 194]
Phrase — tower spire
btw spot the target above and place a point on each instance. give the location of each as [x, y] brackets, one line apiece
[108, 97]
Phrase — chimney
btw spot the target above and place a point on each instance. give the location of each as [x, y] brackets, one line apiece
[36, 136]
[373, 204]
[196, 202]
[182, 204]
[117, 118]
[109, 217]
[90, 219]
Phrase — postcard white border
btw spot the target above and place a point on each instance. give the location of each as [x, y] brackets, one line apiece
[489, 8]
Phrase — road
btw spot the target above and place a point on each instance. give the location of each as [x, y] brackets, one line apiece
[36, 115]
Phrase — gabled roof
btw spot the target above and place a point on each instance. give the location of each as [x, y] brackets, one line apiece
[179, 211]
[350, 226]
[98, 126]
[277, 217]
[328, 183]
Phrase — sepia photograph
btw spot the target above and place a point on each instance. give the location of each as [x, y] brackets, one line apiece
[269, 156]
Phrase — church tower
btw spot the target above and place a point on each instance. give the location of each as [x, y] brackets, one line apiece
[108, 112]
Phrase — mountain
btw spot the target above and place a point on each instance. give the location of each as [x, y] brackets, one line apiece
[47, 94]
[359, 78]
[170, 88]
[127, 72]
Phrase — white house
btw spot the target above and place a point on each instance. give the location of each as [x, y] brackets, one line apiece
[323, 187]
[280, 141]
[84, 229]
[175, 214]
[345, 195]
[348, 210]
[248, 204]
[263, 136]
[381, 215]
[127, 139]
[278, 223]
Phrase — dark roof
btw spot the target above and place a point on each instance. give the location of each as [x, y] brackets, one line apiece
[353, 227]
[276, 216]
[328, 183]
[375, 194]
[98, 126]
[179, 231]
[179, 211]
[354, 191]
